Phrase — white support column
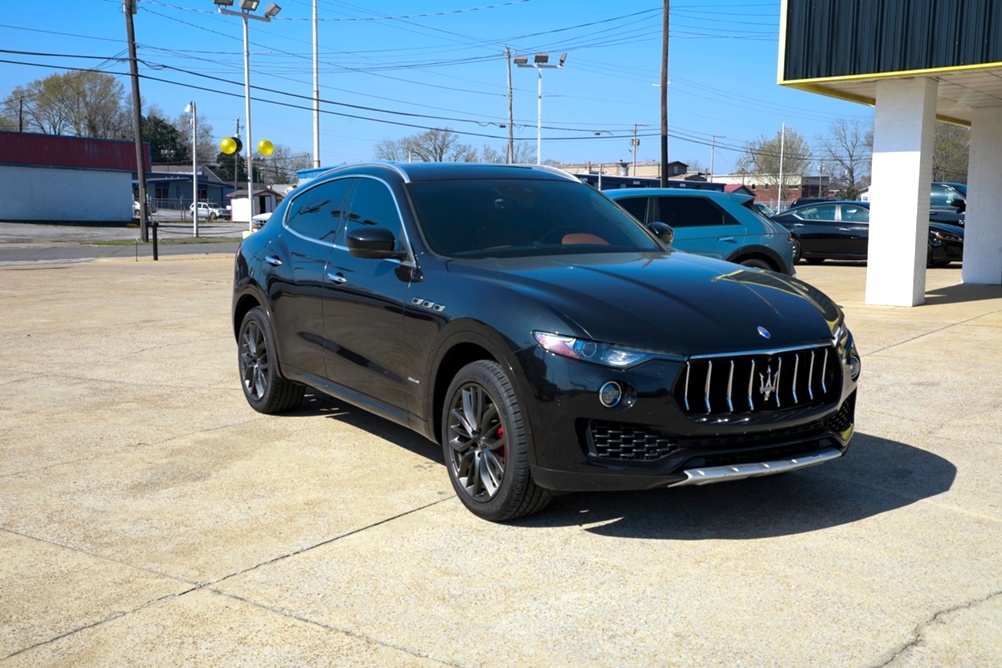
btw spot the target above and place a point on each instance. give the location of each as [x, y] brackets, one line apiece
[983, 228]
[903, 134]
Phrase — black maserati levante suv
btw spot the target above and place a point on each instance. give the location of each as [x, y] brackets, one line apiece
[543, 337]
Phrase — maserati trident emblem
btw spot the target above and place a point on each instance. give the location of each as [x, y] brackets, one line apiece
[763, 332]
[767, 383]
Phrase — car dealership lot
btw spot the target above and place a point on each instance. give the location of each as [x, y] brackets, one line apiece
[148, 516]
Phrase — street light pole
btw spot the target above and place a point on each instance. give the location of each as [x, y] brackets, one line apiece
[246, 7]
[540, 61]
[247, 130]
[194, 165]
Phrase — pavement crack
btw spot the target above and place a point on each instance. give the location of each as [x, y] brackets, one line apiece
[919, 632]
[335, 629]
[322, 543]
[917, 337]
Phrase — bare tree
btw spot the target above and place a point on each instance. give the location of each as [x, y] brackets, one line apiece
[848, 148]
[523, 153]
[952, 153]
[430, 146]
[207, 146]
[786, 153]
[84, 104]
[391, 149]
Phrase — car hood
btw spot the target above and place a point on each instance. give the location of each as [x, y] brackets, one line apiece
[675, 302]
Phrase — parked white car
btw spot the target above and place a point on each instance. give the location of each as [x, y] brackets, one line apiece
[205, 211]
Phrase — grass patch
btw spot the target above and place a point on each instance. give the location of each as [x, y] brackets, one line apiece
[176, 241]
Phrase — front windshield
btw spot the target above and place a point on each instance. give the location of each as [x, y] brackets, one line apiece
[518, 217]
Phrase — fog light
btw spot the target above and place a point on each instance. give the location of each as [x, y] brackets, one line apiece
[855, 366]
[610, 394]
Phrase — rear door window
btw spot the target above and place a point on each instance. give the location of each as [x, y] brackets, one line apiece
[635, 206]
[682, 212]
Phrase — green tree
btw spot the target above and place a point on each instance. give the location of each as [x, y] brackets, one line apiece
[225, 165]
[166, 143]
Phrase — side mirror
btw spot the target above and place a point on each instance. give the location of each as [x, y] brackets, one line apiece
[374, 242]
[663, 232]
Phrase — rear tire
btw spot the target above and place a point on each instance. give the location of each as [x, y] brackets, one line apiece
[265, 389]
[485, 445]
[797, 252]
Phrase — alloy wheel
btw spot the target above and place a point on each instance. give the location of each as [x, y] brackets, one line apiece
[478, 442]
[254, 361]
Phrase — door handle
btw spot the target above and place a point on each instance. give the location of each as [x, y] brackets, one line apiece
[843, 229]
[337, 278]
[273, 261]
[727, 239]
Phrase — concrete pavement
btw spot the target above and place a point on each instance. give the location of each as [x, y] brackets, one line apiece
[149, 517]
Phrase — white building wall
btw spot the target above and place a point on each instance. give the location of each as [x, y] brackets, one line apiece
[903, 133]
[70, 195]
[983, 226]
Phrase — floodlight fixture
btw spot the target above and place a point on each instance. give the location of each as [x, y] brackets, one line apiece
[541, 58]
[522, 61]
[249, 5]
[272, 10]
[224, 3]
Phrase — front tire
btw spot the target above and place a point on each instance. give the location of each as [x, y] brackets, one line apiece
[485, 445]
[265, 389]
[757, 263]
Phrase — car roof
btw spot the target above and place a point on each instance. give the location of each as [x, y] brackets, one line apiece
[828, 201]
[437, 171]
[678, 192]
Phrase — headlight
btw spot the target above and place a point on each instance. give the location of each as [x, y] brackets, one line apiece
[846, 347]
[606, 354]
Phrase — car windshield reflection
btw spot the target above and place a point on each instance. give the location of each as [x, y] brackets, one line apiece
[516, 218]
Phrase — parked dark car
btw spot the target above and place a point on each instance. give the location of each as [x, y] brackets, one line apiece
[543, 337]
[716, 224]
[800, 201]
[948, 202]
[840, 230]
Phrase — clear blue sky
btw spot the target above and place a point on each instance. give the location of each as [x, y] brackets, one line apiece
[394, 68]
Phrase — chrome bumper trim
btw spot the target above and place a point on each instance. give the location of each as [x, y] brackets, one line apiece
[705, 476]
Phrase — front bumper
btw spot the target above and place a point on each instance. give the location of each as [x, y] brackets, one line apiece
[649, 441]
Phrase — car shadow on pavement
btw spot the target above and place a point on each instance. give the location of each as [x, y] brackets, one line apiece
[876, 476]
[342, 411]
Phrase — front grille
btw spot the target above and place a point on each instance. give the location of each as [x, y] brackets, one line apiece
[722, 386]
[627, 442]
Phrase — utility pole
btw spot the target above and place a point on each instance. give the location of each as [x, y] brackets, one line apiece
[635, 142]
[510, 153]
[713, 152]
[664, 99]
[20, 114]
[129, 6]
[316, 91]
